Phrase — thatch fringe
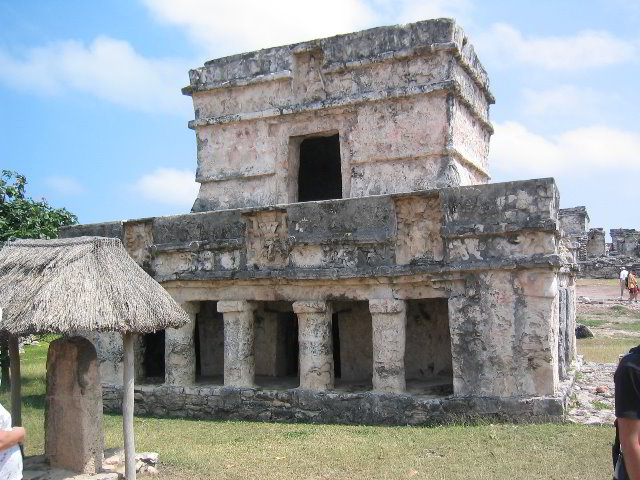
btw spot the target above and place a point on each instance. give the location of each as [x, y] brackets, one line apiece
[83, 283]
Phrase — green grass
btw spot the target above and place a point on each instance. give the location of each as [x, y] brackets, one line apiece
[617, 317]
[591, 322]
[191, 449]
[605, 349]
[600, 405]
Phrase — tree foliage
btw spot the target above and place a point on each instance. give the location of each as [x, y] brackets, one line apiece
[23, 217]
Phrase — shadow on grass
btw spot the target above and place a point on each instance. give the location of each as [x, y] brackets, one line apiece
[34, 401]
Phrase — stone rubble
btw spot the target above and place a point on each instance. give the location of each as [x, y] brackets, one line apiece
[592, 402]
[36, 467]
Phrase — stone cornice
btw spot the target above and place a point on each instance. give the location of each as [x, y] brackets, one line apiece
[451, 86]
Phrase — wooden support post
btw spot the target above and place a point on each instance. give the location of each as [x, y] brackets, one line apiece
[16, 394]
[127, 407]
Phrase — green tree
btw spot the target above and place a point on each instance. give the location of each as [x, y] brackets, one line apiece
[24, 217]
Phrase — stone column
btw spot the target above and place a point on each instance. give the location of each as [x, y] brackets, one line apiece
[239, 334]
[389, 325]
[73, 406]
[316, 347]
[179, 350]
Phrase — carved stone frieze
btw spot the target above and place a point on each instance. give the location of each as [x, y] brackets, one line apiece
[267, 239]
[418, 229]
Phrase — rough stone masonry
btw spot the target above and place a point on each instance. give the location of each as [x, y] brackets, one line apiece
[346, 259]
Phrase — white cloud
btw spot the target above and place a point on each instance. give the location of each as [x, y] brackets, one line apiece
[65, 185]
[586, 49]
[168, 186]
[403, 11]
[568, 100]
[107, 68]
[588, 150]
[223, 28]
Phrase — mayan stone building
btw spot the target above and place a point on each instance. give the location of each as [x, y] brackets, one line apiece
[346, 259]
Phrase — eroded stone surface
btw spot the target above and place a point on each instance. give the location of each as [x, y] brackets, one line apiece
[389, 319]
[409, 103]
[73, 406]
[316, 345]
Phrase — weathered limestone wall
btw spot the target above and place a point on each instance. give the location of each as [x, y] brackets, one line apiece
[108, 346]
[410, 104]
[504, 337]
[596, 243]
[574, 221]
[500, 275]
[363, 408]
[625, 241]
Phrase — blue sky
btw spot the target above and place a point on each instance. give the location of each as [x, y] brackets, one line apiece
[91, 110]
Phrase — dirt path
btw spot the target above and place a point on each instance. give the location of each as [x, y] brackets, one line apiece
[593, 399]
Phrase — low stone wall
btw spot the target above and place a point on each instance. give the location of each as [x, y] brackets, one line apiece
[607, 267]
[365, 408]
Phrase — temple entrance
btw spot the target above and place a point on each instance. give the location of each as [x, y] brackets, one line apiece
[276, 346]
[428, 359]
[209, 344]
[153, 357]
[352, 347]
[319, 174]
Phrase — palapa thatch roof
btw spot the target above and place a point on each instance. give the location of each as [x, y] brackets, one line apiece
[84, 283]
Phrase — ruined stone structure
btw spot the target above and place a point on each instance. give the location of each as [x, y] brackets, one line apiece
[596, 245]
[625, 241]
[345, 260]
[589, 249]
[574, 223]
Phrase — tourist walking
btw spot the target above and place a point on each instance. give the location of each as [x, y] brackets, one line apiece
[623, 280]
[632, 282]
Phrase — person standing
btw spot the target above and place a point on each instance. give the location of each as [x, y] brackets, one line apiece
[627, 409]
[632, 282]
[623, 280]
[10, 455]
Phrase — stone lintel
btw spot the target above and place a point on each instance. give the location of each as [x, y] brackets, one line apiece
[226, 306]
[386, 305]
[310, 307]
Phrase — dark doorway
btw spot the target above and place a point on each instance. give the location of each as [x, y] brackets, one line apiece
[319, 176]
[153, 362]
[276, 345]
[209, 344]
[335, 331]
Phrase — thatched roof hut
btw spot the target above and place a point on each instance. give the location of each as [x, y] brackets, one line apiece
[84, 283]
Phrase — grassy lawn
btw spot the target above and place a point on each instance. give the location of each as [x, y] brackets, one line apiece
[192, 449]
[605, 349]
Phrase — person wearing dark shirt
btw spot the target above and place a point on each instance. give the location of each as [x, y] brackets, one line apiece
[627, 392]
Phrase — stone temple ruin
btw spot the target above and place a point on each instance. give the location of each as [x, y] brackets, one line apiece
[595, 257]
[346, 259]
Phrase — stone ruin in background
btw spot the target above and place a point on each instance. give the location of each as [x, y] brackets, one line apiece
[346, 259]
[596, 258]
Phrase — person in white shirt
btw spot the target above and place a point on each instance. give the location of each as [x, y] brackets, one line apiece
[10, 455]
[623, 280]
